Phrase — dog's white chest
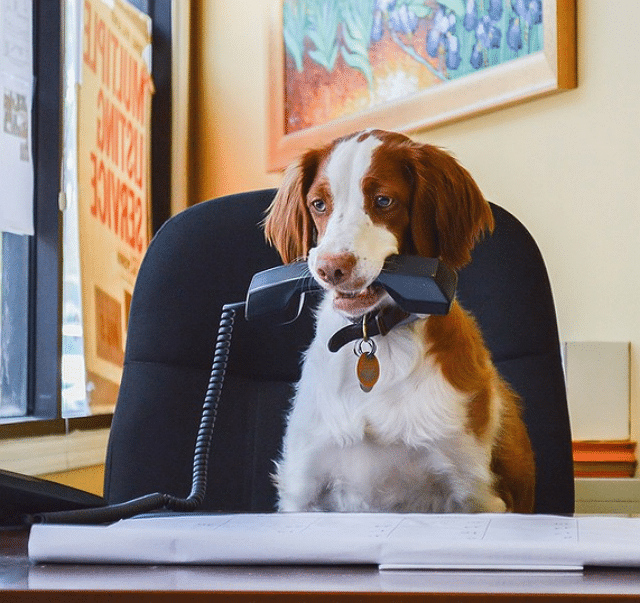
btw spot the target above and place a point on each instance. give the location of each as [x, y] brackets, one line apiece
[411, 403]
[369, 476]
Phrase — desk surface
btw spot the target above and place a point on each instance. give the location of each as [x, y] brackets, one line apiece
[23, 581]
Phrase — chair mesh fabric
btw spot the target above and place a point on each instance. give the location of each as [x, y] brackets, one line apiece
[204, 258]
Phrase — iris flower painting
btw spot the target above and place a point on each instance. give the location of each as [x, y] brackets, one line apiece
[343, 57]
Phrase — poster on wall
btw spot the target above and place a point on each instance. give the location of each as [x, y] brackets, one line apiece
[114, 137]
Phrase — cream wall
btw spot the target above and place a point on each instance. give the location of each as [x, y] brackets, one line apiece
[231, 74]
[568, 165]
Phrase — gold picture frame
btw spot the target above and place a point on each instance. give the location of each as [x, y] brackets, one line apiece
[507, 82]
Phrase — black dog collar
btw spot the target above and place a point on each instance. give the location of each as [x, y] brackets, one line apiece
[377, 323]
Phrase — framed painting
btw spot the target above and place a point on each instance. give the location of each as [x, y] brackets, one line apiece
[337, 66]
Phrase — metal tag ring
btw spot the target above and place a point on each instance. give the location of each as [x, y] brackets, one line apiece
[357, 347]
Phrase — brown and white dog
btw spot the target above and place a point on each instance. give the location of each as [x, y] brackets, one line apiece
[440, 431]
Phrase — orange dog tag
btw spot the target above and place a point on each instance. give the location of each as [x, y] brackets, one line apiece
[367, 371]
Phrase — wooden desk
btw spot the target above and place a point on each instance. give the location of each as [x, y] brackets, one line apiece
[21, 581]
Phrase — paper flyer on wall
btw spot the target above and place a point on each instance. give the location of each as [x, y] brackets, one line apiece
[16, 84]
[114, 189]
[502, 541]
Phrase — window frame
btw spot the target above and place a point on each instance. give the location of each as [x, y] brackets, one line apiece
[44, 277]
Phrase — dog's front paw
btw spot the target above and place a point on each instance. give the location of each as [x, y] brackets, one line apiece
[295, 500]
[496, 505]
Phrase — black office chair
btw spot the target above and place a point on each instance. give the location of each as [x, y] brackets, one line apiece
[204, 258]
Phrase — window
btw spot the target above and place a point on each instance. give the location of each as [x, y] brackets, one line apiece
[73, 401]
[30, 307]
[14, 269]
[16, 202]
[42, 364]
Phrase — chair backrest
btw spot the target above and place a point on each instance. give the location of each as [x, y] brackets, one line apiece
[204, 258]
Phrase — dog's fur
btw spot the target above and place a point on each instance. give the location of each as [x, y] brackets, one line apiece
[440, 431]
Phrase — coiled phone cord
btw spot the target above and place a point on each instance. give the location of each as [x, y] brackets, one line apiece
[158, 501]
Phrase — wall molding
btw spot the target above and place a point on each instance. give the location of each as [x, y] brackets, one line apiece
[54, 453]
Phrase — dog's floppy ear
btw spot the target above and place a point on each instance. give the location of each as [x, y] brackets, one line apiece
[449, 212]
[288, 225]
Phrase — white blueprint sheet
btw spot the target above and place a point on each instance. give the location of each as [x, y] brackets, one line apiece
[391, 541]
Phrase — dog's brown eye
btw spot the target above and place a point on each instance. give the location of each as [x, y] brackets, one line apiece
[383, 201]
[319, 205]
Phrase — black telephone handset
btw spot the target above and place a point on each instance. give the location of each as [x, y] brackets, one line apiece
[418, 285]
